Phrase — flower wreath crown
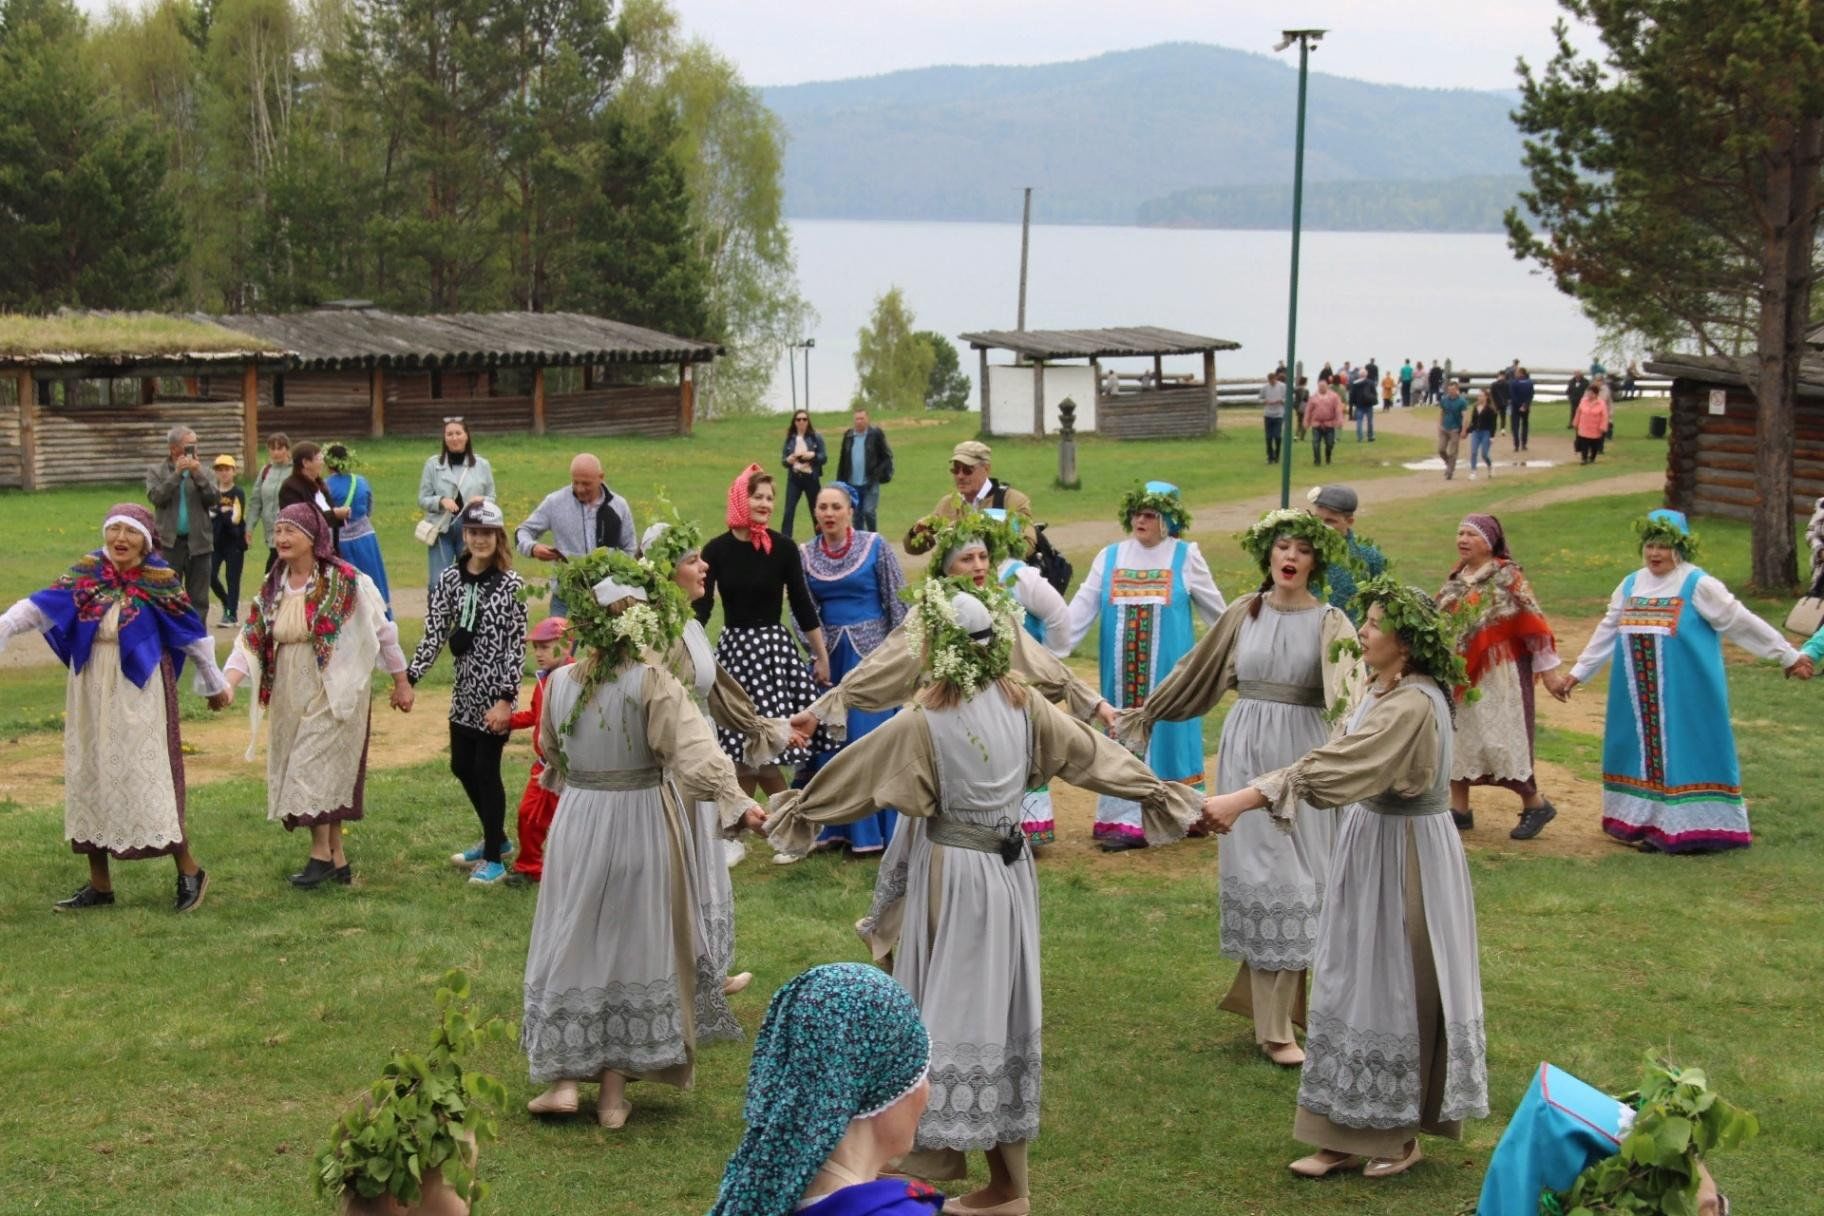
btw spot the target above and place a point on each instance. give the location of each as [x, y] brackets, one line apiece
[618, 638]
[941, 643]
[678, 539]
[1327, 545]
[1170, 507]
[1004, 537]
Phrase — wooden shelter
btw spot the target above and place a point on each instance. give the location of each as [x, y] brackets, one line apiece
[85, 397]
[1022, 397]
[1710, 465]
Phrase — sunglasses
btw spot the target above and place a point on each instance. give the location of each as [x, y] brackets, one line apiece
[449, 418]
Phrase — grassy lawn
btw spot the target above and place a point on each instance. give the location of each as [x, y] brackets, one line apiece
[162, 1064]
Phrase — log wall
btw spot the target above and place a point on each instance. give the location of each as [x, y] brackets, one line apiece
[1710, 463]
[89, 444]
[1172, 413]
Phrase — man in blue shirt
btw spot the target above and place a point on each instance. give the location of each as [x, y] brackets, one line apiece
[1450, 426]
[866, 462]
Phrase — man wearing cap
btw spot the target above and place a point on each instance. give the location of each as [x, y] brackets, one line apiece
[185, 498]
[581, 518]
[970, 461]
[1336, 506]
[230, 542]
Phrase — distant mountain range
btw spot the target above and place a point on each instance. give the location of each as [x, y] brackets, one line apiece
[1180, 133]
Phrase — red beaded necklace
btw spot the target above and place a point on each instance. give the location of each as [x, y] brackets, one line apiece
[836, 555]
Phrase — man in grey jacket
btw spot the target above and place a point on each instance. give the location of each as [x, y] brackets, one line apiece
[184, 496]
[581, 518]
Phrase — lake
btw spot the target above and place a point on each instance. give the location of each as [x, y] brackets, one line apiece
[1389, 295]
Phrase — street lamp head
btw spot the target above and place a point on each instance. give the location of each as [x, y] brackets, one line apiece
[1311, 37]
[809, 342]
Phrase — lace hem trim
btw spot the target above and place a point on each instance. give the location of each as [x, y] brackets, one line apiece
[1370, 1079]
[982, 1094]
[1270, 926]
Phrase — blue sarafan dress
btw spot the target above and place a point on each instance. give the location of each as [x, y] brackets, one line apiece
[857, 592]
[1561, 1127]
[360, 546]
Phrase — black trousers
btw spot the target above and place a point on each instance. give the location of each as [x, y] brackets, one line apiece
[228, 592]
[1274, 427]
[1323, 444]
[1519, 424]
[800, 485]
[475, 760]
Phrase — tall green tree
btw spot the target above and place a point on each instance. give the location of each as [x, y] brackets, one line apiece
[85, 214]
[893, 361]
[946, 388]
[1676, 184]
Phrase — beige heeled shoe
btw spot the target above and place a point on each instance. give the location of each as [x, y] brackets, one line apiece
[736, 983]
[1319, 1166]
[1387, 1167]
[560, 1099]
[1286, 1055]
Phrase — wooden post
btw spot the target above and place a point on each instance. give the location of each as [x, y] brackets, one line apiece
[1158, 372]
[1038, 399]
[148, 390]
[28, 430]
[589, 376]
[538, 400]
[687, 399]
[376, 401]
[250, 414]
[1095, 379]
[983, 352]
[1209, 385]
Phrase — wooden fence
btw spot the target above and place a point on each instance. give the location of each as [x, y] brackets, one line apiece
[83, 445]
[1167, 413]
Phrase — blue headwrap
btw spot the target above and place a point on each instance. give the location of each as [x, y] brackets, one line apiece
[1668, 528]
[853, 493]
[840, 1042]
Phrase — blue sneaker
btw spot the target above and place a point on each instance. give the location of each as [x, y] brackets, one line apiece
[473, 856]
[488, 873]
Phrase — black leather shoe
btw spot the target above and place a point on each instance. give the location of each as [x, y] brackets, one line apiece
[1533, 820]
[314, 874]
[344, 875]
[1465, 820]
[190, 888]
[86, 897]
[1121, 844]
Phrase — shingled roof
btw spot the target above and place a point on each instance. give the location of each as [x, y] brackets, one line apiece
[1095, 343]
[338, 338]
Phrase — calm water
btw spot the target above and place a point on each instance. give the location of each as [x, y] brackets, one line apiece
[1361, 294]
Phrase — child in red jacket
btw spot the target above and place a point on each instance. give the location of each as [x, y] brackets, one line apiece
[537, 805]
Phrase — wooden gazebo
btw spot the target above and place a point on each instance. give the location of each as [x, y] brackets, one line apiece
[84, 396]
[1022, 397]
[1710, 463]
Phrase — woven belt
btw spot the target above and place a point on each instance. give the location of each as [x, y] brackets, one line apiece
[614, 779]
[1431, 802]
[1007, 843]
[355, 529]
[1286, 694]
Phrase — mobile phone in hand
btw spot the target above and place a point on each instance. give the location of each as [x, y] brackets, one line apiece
[190, 450]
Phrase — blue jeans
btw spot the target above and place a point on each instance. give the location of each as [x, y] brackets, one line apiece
[1366, 414]
[1479, 444]
[867, 515]
[443, 554]
[1274, 427]
[800, 485]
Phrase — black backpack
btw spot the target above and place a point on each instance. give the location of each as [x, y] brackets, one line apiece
[1052, 566]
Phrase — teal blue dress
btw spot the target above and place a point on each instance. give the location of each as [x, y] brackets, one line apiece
[360, 545]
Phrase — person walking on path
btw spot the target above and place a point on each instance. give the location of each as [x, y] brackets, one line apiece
[1434, 385]
[1406, 375]
[626, 749]
[958, 911]
[228, 550]
[1501, 392]
[1279, 649]
[1336, 506]
[1573, 392]
[1592, 419]
[263, 495]
[313, 637]
[1671, 779]
[1396, 1044]
[1361, 407]
[120, 620]
[1388, 383]
[357, 541]
[582, 517]
[1484, 420]
[1451, 427]
[1273, 414]
[1146, 591]
[1520, 409]
[866, 462]
[803, 456]
[450, 479]
[1322, 416]
[185, 497]
[1506, 643]
[477, 609]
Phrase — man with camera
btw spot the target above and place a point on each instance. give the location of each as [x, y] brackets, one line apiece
[184, 497]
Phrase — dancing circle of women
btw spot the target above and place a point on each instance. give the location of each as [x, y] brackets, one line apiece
[942, 715]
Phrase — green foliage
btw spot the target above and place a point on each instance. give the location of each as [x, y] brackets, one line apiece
[1679, 1122]
[958, 525]
[88, 219]
[1170, 508]
[946, 388]
[892, 362]
[618, 637]
[1429, 633]
[426, 1112]
[1328, 548]
[948, 650]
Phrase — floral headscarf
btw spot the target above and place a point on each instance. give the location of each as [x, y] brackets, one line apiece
[738, 515]
[329, 604]
[840, 1042]
[1491, 531]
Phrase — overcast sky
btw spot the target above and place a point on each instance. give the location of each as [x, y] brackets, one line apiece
[1443, 43]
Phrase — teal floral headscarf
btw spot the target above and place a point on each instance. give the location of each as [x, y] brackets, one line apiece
[840, 1042]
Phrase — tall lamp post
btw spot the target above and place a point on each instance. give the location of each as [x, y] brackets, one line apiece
[804, 346]
[1306, 39]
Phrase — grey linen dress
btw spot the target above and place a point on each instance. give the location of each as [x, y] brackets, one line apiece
[1396, 1043]
[969, 951]
[620, 973]
[1272, 881]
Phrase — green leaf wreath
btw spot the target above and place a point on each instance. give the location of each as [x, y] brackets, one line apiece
[1328, 548]
[1170, 507]
[1653, 531]
[678, 539]
[1004, 537]
[340, 458]
[618, 638]
[1430, 633]
[942, 645]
